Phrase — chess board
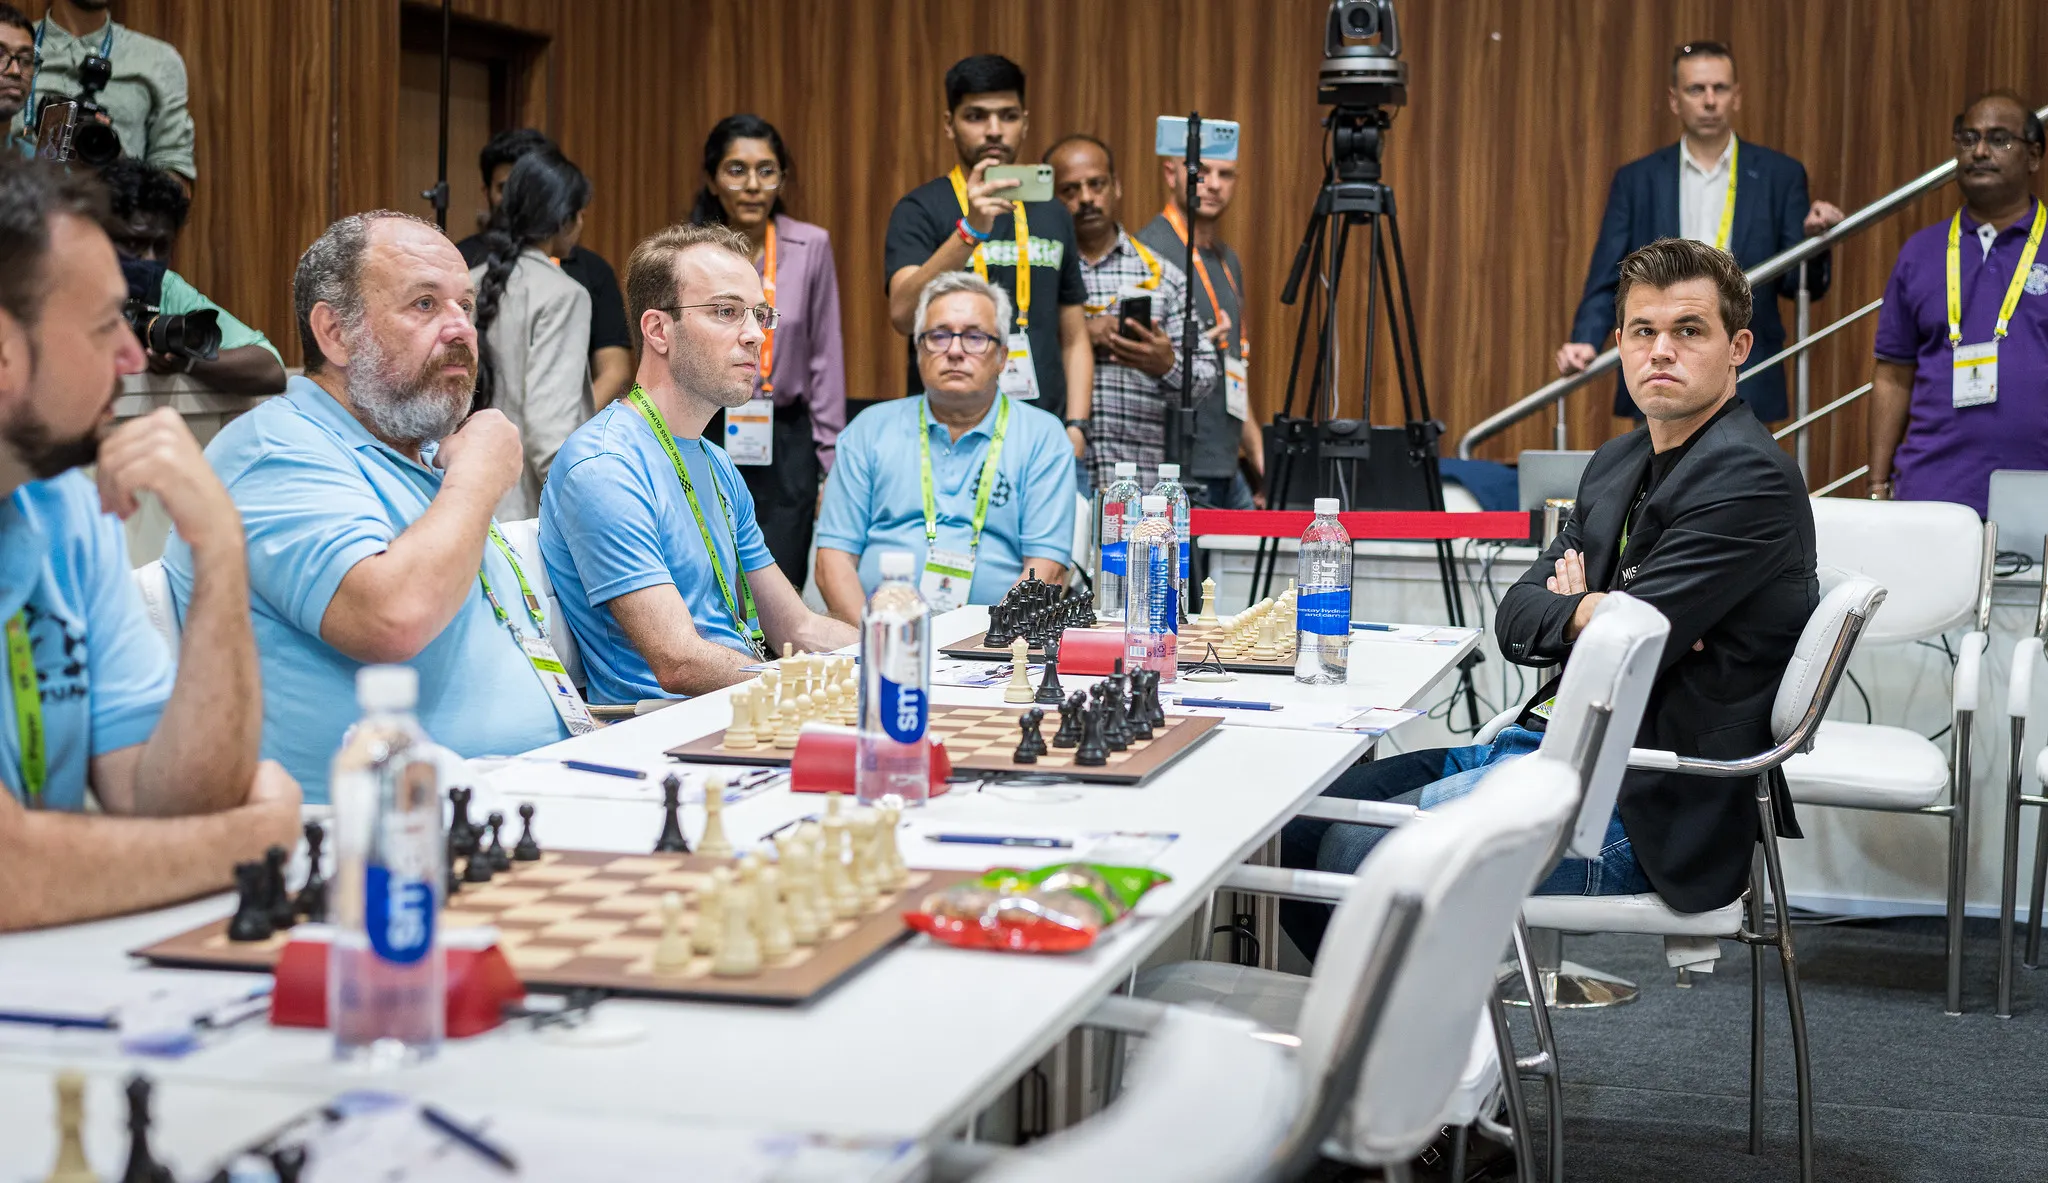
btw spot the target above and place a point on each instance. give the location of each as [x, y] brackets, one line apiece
[586, 919]
[1192, 649]
[981, 740]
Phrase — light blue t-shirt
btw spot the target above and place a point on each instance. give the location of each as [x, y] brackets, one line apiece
[318, 495]
[874, 499]
[613, 520]
[104, 670]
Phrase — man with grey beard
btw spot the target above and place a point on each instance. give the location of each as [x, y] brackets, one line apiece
[366, 490]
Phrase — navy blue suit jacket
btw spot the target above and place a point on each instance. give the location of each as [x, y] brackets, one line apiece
[1770, 213]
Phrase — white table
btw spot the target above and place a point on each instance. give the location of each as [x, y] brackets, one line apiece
[914, 1045]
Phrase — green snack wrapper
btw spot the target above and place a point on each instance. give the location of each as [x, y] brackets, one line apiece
[1111, 891]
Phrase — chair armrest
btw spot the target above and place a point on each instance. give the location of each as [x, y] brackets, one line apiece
[1494, 725]
[1362, 813]
[2019, 690]
[1652, 758]
[1325, 887]
[1969, 687]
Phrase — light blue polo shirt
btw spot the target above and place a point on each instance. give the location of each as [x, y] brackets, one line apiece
[104, 670]
[613, 520]
[874, 500]
[319, 494]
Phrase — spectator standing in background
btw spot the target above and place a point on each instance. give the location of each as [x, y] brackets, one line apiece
[611, 345]
[783, 439]
[146, 98]
[17, 66]
[146, 210]
[534, 320]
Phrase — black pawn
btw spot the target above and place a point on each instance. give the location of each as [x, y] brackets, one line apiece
[311, 903]
[672, 840]
[276, 896]
[252, 910]
[1050, 692]
[1138, 716]
[477, 868]
[500, 860]
[1069, 734]
[527, 850]
[1032, 735]
[462, 836]
[142, 1164]
[1092, 753]
[1115, 735]
[1027, 752]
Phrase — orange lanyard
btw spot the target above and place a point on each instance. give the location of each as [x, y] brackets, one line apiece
[768, 335]
[1180, 230]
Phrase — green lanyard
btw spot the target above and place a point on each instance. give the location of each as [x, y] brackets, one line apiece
[988, 474]
[533, 608]
[749, 623]
[28, 708]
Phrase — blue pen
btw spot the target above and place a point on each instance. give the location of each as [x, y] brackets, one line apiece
[470, 1138]
[605, 769]
[1229, 704]
[1377, 628]
[1000, 840]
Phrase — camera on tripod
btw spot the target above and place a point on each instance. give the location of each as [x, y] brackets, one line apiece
[194, 336]
[77, 128]
[1362, 77]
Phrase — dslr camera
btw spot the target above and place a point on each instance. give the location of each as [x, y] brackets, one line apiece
[194, 336]
[77, 128]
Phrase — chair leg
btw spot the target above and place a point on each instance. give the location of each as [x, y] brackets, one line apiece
[1756, 1007]
[1398, 1172]
[1511, 1088]
[1958, 860]
[2009, 869]
[1795, 1005]
[1546, 1050]
[2034, 900]
[1205, 935]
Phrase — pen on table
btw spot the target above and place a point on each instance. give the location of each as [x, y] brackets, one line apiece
[605, 769]
[1377, 628]
[1229, 704]
[1001, 840]
[475, 1141]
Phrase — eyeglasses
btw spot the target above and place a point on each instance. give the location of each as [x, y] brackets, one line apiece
[18, 63]
[1999, 138]
[734, 175]
[973, 342]
[730, 315]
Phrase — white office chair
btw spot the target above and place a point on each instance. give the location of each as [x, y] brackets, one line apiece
[524, 535]
[1085, 541]
[2019, 697]
[1934, 560]
[155, 587]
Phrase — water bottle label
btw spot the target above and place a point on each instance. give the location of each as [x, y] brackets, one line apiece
[398, 914]
[1113, 558]
[1183, 556]
[1163, 615]
[903, 711]
[1326, 612]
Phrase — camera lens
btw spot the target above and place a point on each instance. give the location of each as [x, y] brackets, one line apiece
[1361, 20]
[94, 144]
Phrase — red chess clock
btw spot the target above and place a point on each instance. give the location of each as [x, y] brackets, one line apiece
[480, 981]
[825, 757]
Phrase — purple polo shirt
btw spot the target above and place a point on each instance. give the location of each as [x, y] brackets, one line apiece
[1949, 454]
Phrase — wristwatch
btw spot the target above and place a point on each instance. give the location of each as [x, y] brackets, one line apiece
[1082, 426]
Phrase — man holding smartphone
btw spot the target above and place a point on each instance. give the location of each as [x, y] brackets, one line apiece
[1136, 301]
[968, 220]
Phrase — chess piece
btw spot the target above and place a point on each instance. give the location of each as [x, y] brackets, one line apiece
[849, 702]
[478, 868]
[72, 1166]
[713, 841]
[1115, 736]
[461, 834]
[1208, 617]
[840, 891]
[252, 910]
[793, 862]
[1019, 689]
[1069, 733]
[1137, 716]
[776, 938]
[786, 726]
[892, 848]
[767, 684]
[671, 840]
[1033, 744]
[1267, 647]
[860, 863]
[527, 850]
[806, 710]
[288, 1163]
[740, 737]
[276, 896]
[812, 837]
[311, 902]
[142, 1164]
[501, 860]
[1050, 692]
[739, 950]
[1093, 752]
[672, 951]
[1153, 708]
[788, 650]
[454, 880]
[710, 929]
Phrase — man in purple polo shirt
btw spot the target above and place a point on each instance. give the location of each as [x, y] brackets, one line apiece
[1961, 383]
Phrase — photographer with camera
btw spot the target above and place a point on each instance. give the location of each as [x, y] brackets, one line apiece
[176, 322]
[122, 82]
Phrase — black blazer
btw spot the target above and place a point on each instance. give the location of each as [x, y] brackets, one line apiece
[1724, 548]
[1770, 215]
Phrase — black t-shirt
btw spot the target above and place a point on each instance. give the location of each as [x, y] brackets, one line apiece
[607, 306]
[926, 216]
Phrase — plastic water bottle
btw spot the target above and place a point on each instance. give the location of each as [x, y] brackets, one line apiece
[1117, 503]
[1151, 639]
[1169, 487]
[895, 689]
[385, 970]
[1323, 605]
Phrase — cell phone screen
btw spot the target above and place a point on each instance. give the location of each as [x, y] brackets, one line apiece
[1135, 308]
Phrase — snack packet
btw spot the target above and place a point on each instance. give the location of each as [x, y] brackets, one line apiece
[1055, 909]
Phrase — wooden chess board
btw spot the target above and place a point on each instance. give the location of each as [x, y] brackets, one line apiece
[981, 740]
[587, 919]
[1192, 649]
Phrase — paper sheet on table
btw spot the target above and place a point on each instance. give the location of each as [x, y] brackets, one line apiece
[1421, 634]
[957, 671]
[741, 783]
[1123, 848]
[1312, 716]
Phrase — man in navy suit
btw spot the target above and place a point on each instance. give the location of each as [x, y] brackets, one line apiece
[1685, 191]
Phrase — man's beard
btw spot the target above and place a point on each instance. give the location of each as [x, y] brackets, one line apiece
[707, 378]
[35, 446]
[410, 409]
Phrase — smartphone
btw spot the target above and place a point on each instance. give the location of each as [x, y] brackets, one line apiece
[1135, 308]
[1034, 181]
[1219, 138]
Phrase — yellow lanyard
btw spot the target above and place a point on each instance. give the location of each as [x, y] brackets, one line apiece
[2012, 290]
[744, 619]
[988, 474]
[1180, 230]
[1151, 282]
[533, 608]
[768, 335]
[28, 708]
[1023, 249]
[1721, 236]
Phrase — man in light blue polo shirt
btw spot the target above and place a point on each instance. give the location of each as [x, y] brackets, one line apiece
[367, 491]
[91, 702]
[978, 486]
[648, 533]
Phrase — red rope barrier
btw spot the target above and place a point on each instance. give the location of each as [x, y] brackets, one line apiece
[1410, 524]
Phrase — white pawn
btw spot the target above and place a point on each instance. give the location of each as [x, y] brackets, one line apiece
[672, 952]
[812, 837]
[786, 725]
[739, 952]
[862, 868]
[892, 847]
[840, 888]
[710, 930]
[806, 710]
[1019, 689]
[776, 938]
[769, 680]
[849, 702]
[714, 842]
[795, 867]
[740, 736]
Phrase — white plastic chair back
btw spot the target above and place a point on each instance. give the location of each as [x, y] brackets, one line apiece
[1471, 862]
[1206, 1102]
[1927, 555]
[1613, 664]
[524, 535]
[1804, 674]
[1084, 535]
[155, 587]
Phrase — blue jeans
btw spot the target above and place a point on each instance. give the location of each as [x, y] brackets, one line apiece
[1231, 492]
[1427, 779]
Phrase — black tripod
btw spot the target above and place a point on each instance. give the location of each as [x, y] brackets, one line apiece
[1354, 196]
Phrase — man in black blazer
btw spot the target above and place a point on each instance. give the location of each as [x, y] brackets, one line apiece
[1682, 191]
[1698, 513]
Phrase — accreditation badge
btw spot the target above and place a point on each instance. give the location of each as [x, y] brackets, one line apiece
[750, 431]
[948, 576]
[1020, 377]
[1974, 381]
[1237, 386]
[555, 680]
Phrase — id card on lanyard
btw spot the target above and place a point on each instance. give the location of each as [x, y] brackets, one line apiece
[540, 653]
[949, 574]
[745, 620]
[1973, 376]
[1237, 370]
[750, 430]
[1019, 379]
[28, 710]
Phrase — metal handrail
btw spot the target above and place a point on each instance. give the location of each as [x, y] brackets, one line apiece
[1810, 340]
[1804, 421]
[1839, 481]
[1771, 268]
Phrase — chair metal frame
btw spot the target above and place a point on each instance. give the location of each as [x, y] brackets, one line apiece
[2026, 656]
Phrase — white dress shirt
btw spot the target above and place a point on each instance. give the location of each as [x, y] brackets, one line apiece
[1702, 192]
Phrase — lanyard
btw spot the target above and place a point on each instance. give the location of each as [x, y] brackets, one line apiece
[768, 335]
[2012, 290]
[1151, 282]
[1023, 249]
[533, 608]
[988, 473]
[1180, 230]
[28, 707]
[29, 119]
[1721, 235]
[748, 625]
